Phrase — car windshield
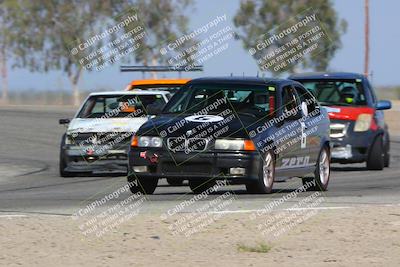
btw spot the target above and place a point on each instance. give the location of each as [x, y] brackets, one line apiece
[171, 88]
[213, 99]
[337, 92]
[119, 106]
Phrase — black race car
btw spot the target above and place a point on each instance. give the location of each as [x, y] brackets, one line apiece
[358, 129]
[250, 131]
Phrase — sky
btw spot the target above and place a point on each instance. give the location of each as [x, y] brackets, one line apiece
[384, 54]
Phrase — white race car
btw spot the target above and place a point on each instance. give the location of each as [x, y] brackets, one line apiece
[97, 138]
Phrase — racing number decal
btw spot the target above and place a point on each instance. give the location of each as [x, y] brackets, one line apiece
[303, 135]
[204, 118]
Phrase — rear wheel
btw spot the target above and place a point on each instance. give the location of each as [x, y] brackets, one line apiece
[322, 173]
[144, 185]
[376, 155]
[266, 176]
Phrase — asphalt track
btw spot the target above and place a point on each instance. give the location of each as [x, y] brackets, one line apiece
[30, 184]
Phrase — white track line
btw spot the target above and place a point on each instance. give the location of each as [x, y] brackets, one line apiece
[313, 208]
[12, 215]
[231, 211]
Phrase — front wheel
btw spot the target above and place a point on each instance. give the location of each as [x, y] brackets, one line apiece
[143, 185]
[376, 155]
[386, 156]
[266, 176]
[322, 172]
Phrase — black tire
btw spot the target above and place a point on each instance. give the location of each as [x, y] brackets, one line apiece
[322, 173]
[175, 181]
[144, 185]
[200, 186]
[375, 160]
[266, 176]
[386, 159]
[386, 156]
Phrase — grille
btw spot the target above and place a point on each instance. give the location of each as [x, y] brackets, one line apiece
[338, 130]
[113, 139]
[187, 145]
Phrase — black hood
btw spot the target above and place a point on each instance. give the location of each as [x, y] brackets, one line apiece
[172, 125]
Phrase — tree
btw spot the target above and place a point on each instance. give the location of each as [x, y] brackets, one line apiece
[257, 17]
[5, 38]
[59, 27]
[19, 39]
[69, 23]
[165, 22]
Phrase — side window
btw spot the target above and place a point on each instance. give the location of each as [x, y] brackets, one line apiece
[99, 106]
[307, 98]
[289, 100]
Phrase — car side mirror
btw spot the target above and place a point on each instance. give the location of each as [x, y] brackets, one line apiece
[383, 104]
[64, 121]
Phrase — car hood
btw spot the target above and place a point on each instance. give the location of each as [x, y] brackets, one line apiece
[172, 125]
[105, 125]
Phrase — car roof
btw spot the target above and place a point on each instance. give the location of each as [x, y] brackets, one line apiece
[132, 92]
[237, 80]
[326, 75]
[159, 82]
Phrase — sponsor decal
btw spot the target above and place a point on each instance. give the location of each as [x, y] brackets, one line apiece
[295, 162]
[204, 118]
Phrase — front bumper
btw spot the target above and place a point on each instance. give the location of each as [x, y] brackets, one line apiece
[235, 166]
[82, 160]
[352, 147]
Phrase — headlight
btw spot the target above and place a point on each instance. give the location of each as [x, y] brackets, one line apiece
[363, 123]
[147, 141]
[234, 144]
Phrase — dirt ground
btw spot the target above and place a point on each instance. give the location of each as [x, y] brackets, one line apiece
[364, 236]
